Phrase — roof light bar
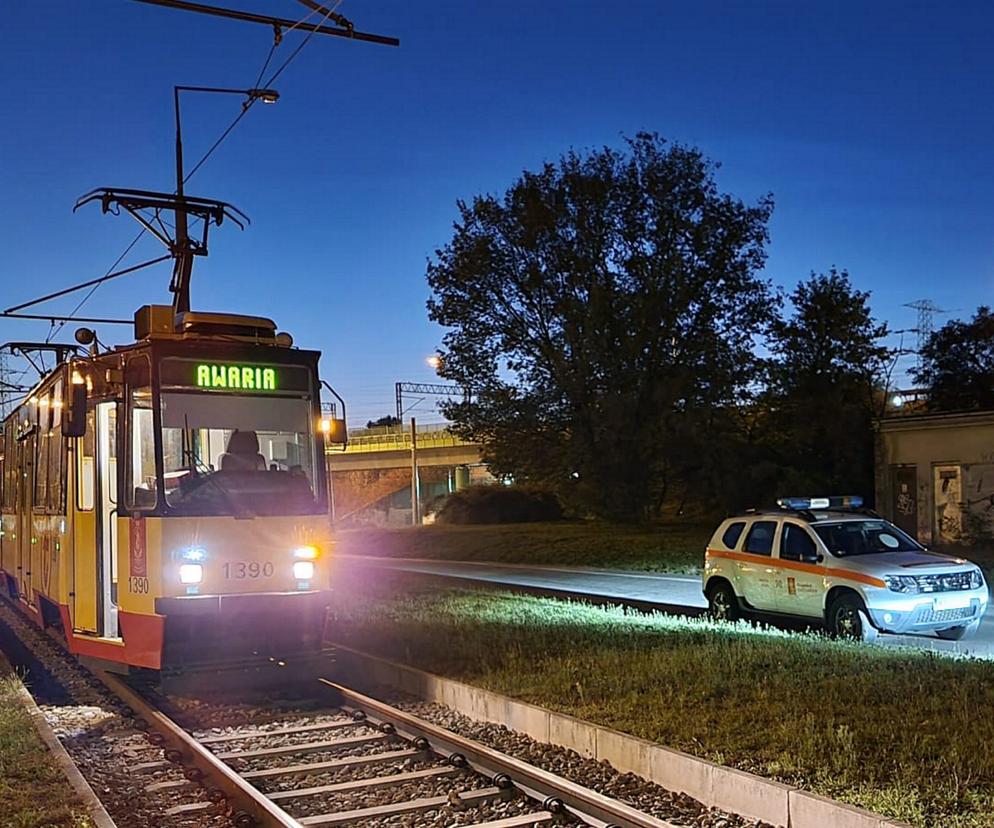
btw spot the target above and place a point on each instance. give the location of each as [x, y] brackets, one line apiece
[797, 504]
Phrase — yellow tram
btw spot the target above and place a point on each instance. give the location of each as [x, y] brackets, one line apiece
[164, 503]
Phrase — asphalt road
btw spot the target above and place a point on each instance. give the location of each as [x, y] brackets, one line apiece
[672, 593]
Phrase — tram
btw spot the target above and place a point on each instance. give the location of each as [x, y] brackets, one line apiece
[164, 503]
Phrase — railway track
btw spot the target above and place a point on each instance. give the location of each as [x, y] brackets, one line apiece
[360, 762]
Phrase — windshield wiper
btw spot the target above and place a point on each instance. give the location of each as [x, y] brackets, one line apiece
[208, 475]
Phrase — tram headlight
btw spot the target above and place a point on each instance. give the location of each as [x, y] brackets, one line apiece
[190, 573]
[306, 553]
[303, 570]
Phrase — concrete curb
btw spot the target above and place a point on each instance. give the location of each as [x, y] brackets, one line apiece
[714, 785]
[88, 799]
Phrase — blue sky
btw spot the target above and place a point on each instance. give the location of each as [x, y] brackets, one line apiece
[871, 123]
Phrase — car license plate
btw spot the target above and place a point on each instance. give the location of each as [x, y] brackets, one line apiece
[948, 602]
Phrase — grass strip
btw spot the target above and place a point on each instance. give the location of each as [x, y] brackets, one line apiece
[904, 733]
[33, 790]
[675, 547]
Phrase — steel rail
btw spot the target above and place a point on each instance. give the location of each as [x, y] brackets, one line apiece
[555, 792]
[253, 802]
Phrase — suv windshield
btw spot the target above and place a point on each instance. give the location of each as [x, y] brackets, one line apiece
[237, 454]
[864, 537]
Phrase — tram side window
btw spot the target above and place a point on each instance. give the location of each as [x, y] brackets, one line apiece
[42, 414]
[10, 468]
[56, 481]
[86, 465]
[141, 482]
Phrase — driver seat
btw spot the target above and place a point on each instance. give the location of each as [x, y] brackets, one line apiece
[242, 453]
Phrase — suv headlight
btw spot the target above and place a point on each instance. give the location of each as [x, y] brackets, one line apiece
[976, 579]
[901, 583]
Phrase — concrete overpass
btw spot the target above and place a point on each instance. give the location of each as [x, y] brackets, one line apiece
[391, 449]
[370, 481]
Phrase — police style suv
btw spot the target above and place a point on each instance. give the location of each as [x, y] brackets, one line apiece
[829, 559]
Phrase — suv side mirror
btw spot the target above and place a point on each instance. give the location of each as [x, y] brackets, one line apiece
[74, 415]
[817, 557]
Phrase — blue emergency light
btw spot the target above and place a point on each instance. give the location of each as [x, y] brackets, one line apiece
[835, 502]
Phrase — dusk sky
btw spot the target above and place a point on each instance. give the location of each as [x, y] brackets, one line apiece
[871, 123]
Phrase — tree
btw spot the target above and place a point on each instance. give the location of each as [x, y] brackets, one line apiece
[601, 312]
[824, 382]
[957, 364]
[388, 420]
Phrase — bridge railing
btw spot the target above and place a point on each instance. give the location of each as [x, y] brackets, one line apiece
[432, 436]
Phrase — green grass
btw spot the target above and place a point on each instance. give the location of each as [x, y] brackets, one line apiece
[33, 791]
[900, 732]
[674, 547]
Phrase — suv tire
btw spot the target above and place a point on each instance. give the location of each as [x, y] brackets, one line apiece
[959, 633]
[847, 618]
[722, 603]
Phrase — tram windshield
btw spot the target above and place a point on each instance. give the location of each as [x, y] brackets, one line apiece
[237, 454]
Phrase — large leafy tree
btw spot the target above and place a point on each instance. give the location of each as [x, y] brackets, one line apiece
[824, 386]
[602, 313]
[957, 364]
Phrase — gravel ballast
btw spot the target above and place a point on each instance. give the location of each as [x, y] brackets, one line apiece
[677, 808]
[101, 737]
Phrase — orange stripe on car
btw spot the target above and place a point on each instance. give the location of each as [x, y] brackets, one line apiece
[827, 571]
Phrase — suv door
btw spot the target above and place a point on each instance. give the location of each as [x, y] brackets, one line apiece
[756, 574]
[802, 573]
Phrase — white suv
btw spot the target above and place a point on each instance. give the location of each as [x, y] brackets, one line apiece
[828, 559]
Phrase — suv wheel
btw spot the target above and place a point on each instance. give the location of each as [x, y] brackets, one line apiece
[722, 603]
[847, 619]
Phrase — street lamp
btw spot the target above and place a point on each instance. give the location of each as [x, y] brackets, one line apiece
[184, 257]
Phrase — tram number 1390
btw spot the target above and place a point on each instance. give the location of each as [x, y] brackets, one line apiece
[241, 570]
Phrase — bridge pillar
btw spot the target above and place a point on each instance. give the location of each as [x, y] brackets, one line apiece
[462, 477]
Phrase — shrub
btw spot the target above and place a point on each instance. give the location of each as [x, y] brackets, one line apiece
[500, 504]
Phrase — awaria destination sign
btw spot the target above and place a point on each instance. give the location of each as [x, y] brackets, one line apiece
[240, 377]
[234, 376]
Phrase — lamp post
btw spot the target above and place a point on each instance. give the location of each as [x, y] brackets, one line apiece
[184, 251]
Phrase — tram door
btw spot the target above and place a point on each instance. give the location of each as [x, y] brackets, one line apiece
[25, 500]
[106, 494]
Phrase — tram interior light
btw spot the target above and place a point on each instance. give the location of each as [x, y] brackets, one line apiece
[191, 573]
[303, 570]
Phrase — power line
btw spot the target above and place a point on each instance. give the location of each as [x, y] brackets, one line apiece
[269, 82]
[82, 301]
[278, 25]
[197, 166]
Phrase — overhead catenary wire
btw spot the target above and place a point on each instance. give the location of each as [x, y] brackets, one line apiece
[93, 282]
[57, 322]
[54, 332]
[252, 101]
[227, 131]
